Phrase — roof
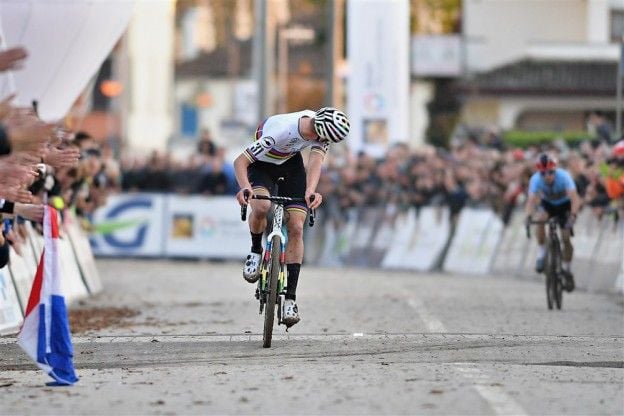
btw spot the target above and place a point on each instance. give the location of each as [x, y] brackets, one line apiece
[550, 77]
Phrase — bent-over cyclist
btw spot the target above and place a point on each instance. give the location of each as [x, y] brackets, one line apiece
[276, 153]
[552, 193]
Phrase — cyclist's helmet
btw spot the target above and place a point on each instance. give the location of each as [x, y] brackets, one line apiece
[331, 124]
[545, 163]
[618, 149]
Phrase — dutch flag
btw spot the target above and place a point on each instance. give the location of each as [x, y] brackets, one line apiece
[45, 333]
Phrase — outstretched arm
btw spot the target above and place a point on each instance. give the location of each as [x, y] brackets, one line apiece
[313, 175]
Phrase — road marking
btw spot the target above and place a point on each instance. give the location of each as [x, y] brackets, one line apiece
[492, 393]
[433, 324]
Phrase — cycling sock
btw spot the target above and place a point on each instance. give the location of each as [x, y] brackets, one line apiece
[565, 265]
[541, 251]
[256, 243]
[293, 278]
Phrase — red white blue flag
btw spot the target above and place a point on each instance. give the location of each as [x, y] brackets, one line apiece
[45, 334]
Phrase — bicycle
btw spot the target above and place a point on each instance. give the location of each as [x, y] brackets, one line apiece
[271, 288]
[552, 269]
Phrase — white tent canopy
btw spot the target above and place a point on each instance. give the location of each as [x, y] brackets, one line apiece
[66, 40]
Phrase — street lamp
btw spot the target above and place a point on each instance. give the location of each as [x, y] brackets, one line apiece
[298, 35]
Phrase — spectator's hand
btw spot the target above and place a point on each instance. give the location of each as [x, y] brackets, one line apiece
[28, 134]
[32, 212]
[62, 158]
[14, 240]
[16, 194]
[12, 58]
[5, 107]
[318, 199]
[14, 174]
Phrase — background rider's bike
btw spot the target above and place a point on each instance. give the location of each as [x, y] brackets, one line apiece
[552, 263]
[271, 288]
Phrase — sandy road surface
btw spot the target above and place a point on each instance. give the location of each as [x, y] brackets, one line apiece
[185, 338]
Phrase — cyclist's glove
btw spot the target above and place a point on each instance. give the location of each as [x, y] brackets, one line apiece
[571, 220]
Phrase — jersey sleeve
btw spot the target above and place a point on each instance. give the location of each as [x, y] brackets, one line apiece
[258, 148]
[534, 184]
[568, 181]
[321, 148]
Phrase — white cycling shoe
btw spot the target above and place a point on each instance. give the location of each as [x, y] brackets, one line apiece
[291, 313]
[251, 270]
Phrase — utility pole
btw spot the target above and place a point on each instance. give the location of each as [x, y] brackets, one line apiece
[335, 16]
[331, 53]
[618, 102]
[260, 55]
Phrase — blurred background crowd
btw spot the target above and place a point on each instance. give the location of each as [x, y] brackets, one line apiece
[477, 170]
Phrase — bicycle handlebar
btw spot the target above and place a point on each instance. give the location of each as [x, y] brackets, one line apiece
[279, 200]
[541, 222]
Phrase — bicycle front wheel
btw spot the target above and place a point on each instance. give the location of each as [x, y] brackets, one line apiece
[269, 308]
[551, 277]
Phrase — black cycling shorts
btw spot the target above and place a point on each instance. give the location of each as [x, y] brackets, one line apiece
[561, 211]
[265, 175]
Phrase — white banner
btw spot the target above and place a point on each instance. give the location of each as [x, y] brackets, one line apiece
[378, 88]
[197, 226]
[474, 245]
[67, 41]
[437, 55]
[418, 240]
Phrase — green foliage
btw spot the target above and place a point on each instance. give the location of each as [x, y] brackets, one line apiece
[524, 139]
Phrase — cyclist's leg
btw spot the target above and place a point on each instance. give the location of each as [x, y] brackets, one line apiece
[540, 233]
[261, 181]
[568, 250]
[294, 187]
[294, 248]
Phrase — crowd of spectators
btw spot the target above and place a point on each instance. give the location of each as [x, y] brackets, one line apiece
[477, 171]
[44, 163]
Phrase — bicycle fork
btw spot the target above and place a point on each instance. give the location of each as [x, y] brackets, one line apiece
[262, 289]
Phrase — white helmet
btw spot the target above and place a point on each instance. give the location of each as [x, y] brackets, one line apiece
[331, 124]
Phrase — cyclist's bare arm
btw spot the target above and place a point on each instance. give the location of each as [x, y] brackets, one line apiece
[241, 163]
[532, 201]
[575, 201]
[313, 175]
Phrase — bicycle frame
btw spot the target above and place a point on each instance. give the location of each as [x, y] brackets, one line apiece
[278, 217]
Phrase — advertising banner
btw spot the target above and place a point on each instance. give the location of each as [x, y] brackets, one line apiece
[378, 87]
[129, 225]
[197, 226]
[22, 276]
[84, 256]
[474, 245]
[418, 239]
[10, 313]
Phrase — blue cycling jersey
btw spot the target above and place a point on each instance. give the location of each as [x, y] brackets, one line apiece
[556, 193]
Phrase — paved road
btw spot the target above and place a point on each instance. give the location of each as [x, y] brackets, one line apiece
[369, 342]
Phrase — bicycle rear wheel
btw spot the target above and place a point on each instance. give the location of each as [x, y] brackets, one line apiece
[551, 277]
[269, 308]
